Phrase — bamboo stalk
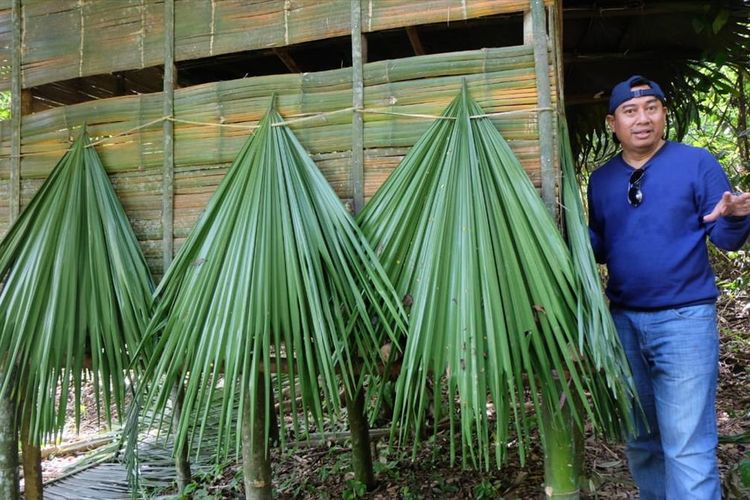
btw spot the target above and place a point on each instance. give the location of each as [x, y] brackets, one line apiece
[77, 447]
[168, 132]
[358, 99]
[546, 128]
[15, 113]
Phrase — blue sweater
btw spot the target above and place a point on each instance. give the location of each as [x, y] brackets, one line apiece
[656, 253]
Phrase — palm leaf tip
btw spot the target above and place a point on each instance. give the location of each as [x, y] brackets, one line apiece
[286, 282]
[463, 231]
[77, 292]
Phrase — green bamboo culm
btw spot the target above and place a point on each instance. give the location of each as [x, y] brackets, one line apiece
[76, 298]
[275, 278]
[461, 230]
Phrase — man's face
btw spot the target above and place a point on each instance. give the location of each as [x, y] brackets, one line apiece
[639, 123]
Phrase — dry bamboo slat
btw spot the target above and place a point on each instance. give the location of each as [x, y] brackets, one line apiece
[66, 39]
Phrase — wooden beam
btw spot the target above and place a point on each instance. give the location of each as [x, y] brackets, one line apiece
[167, 213]
[358, 101]
[287, 59]
[416, 42]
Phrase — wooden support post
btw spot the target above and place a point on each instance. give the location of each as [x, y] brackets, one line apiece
[167, 212]
[285, 57]
[416, 42]
[544, 102]
[358, 101]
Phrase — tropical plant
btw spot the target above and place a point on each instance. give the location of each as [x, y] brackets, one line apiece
[76, 297]
[461, 230]
[275, 277]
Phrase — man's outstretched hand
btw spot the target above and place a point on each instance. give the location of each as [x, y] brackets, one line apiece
[730, 205]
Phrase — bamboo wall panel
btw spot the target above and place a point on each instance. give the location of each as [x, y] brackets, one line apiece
[317, 107]
[65, 39]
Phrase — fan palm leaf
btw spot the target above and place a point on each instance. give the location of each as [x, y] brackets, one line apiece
[76, 296]
[275, 277]
[595, 326]
[460, 228]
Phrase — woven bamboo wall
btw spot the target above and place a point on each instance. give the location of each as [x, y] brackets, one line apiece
[502, 80]
[65, 39]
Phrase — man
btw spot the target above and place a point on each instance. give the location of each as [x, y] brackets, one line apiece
[651, 208]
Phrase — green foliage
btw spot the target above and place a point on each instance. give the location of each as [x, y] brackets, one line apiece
[5, 105]
[719, 128]
[461, 230]
[77, 288]
[275, 274]
[485, 490]
[354, 489]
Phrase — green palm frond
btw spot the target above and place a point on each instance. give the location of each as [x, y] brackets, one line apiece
[76, 296]
[460, 228]
[595, 325]
[276, 276]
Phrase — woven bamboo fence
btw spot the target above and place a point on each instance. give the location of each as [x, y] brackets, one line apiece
[65, 39]
[402, 97]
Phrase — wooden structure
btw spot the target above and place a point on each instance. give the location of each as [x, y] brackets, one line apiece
[170, 89]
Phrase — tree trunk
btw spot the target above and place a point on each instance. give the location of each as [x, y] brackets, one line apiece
[182, 460]
[361, 457]
[8, 449]
[744, 138]
[563, 452]
[32, 462]
[256, 461]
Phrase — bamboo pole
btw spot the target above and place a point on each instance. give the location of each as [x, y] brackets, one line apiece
[358, 100]
[168, 131]
[544, 101]
[15, 114]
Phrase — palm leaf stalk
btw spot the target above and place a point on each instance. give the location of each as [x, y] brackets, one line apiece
[76, 297]
[275, 277]
[460, 228]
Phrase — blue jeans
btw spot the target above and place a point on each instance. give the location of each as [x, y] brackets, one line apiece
[674, 357]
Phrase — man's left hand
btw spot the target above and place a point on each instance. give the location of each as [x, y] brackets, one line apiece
[736, 205]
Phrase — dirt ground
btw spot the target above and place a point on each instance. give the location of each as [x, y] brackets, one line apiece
[322, 471]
